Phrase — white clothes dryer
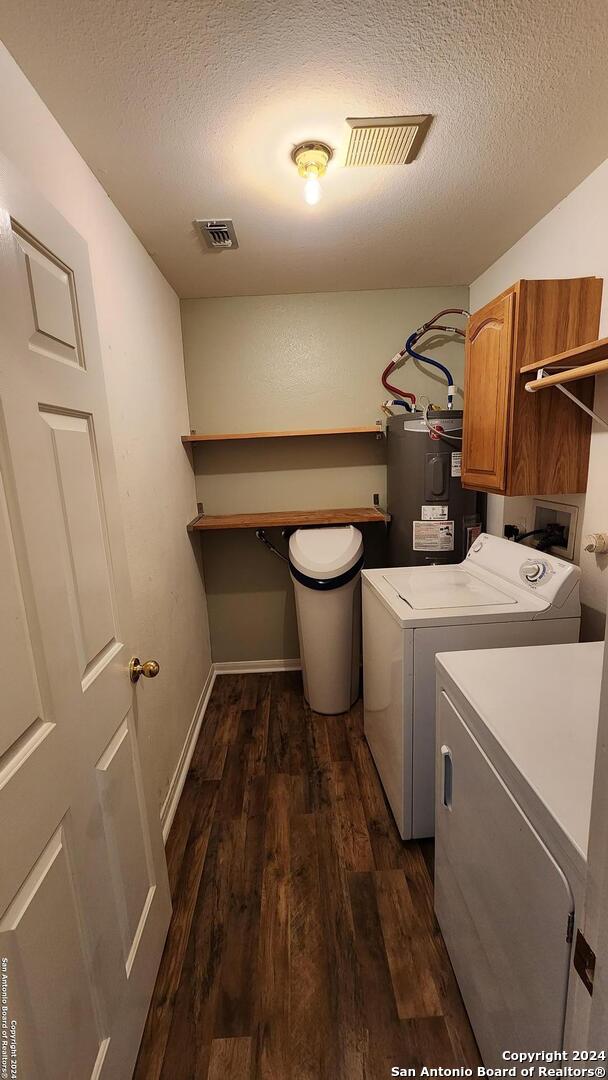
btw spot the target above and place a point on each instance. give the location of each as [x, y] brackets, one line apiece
[516, 741]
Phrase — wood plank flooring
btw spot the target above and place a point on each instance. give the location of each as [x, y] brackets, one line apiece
[303, 944]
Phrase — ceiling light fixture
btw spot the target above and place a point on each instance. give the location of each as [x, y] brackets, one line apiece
[311, 159]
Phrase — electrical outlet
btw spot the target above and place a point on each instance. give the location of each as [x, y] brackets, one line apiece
[564, 514]
[519, 524]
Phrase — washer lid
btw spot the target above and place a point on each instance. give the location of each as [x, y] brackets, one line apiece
[325, 553]
[424, 588]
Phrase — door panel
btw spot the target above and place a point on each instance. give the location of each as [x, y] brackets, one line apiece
[84, 899]
[126, 833]
[72, 446]
[488, 358]
[18, 679]
[52, 292]
[32, 746]
[48, 974]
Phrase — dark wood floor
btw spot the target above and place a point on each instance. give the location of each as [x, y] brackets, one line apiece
[303, 944]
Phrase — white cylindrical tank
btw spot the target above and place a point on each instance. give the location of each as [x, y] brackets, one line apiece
[325, 566]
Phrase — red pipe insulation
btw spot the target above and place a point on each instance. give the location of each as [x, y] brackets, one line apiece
[395, 389]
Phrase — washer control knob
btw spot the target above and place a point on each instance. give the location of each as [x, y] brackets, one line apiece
[534, 570]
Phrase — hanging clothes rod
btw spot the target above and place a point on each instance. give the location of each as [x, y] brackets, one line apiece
[557, 379]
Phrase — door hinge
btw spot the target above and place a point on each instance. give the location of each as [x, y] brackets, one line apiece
[570, 927]
[584, 961]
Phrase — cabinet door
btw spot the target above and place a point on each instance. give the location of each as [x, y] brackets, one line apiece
[488, 360]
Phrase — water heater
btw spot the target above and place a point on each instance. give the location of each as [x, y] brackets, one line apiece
[433, 518]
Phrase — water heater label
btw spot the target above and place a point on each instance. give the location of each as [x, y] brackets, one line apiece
[434, 513]
[457, 463]
[433, 535]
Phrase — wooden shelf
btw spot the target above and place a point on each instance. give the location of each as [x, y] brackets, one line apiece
[361, 515]
[367, 429]
[579, 357]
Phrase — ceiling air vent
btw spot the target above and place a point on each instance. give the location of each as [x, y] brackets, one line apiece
[218, 234]
[386, 140]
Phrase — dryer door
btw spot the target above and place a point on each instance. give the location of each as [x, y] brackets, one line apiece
[501, 900]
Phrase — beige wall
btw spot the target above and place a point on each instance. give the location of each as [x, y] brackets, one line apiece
[139, 326]
[571, 241]
[284, 362]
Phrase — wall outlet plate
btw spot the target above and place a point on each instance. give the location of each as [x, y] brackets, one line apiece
[565, 514]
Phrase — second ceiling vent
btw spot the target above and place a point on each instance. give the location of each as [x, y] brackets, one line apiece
[218, 233]
[386, 140]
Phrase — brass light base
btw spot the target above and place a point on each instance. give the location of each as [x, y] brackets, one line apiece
[311, 158]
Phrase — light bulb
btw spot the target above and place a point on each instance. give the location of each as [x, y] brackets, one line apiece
[312, 190]
[311, 160]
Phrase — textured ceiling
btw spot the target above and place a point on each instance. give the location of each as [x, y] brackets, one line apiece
[189, 108]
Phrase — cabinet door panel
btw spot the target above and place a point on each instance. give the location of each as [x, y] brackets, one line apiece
[489, 344]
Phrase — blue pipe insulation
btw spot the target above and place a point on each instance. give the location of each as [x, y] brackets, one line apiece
[429, 360]
[406, 404]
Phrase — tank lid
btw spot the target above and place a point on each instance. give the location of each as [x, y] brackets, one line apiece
[325, 553]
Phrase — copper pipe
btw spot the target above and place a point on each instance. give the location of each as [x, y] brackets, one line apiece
[426, 329]
[449, 311]
[431, 324]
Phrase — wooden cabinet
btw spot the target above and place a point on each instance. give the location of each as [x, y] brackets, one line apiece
[514, 442]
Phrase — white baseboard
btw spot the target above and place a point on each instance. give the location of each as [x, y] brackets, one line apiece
[178, 779]
[225, 667]
[243, 667]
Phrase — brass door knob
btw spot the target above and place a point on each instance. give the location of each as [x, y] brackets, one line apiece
[149, 669]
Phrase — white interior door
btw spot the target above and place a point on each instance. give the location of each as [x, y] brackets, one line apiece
[84, 902]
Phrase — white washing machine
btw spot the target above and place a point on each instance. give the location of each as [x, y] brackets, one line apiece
[516, 738]
[502, 594]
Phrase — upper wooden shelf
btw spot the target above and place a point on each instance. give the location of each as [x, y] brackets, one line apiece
[360, 515]
[579, 357]
[367, 429]
[584, 362]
